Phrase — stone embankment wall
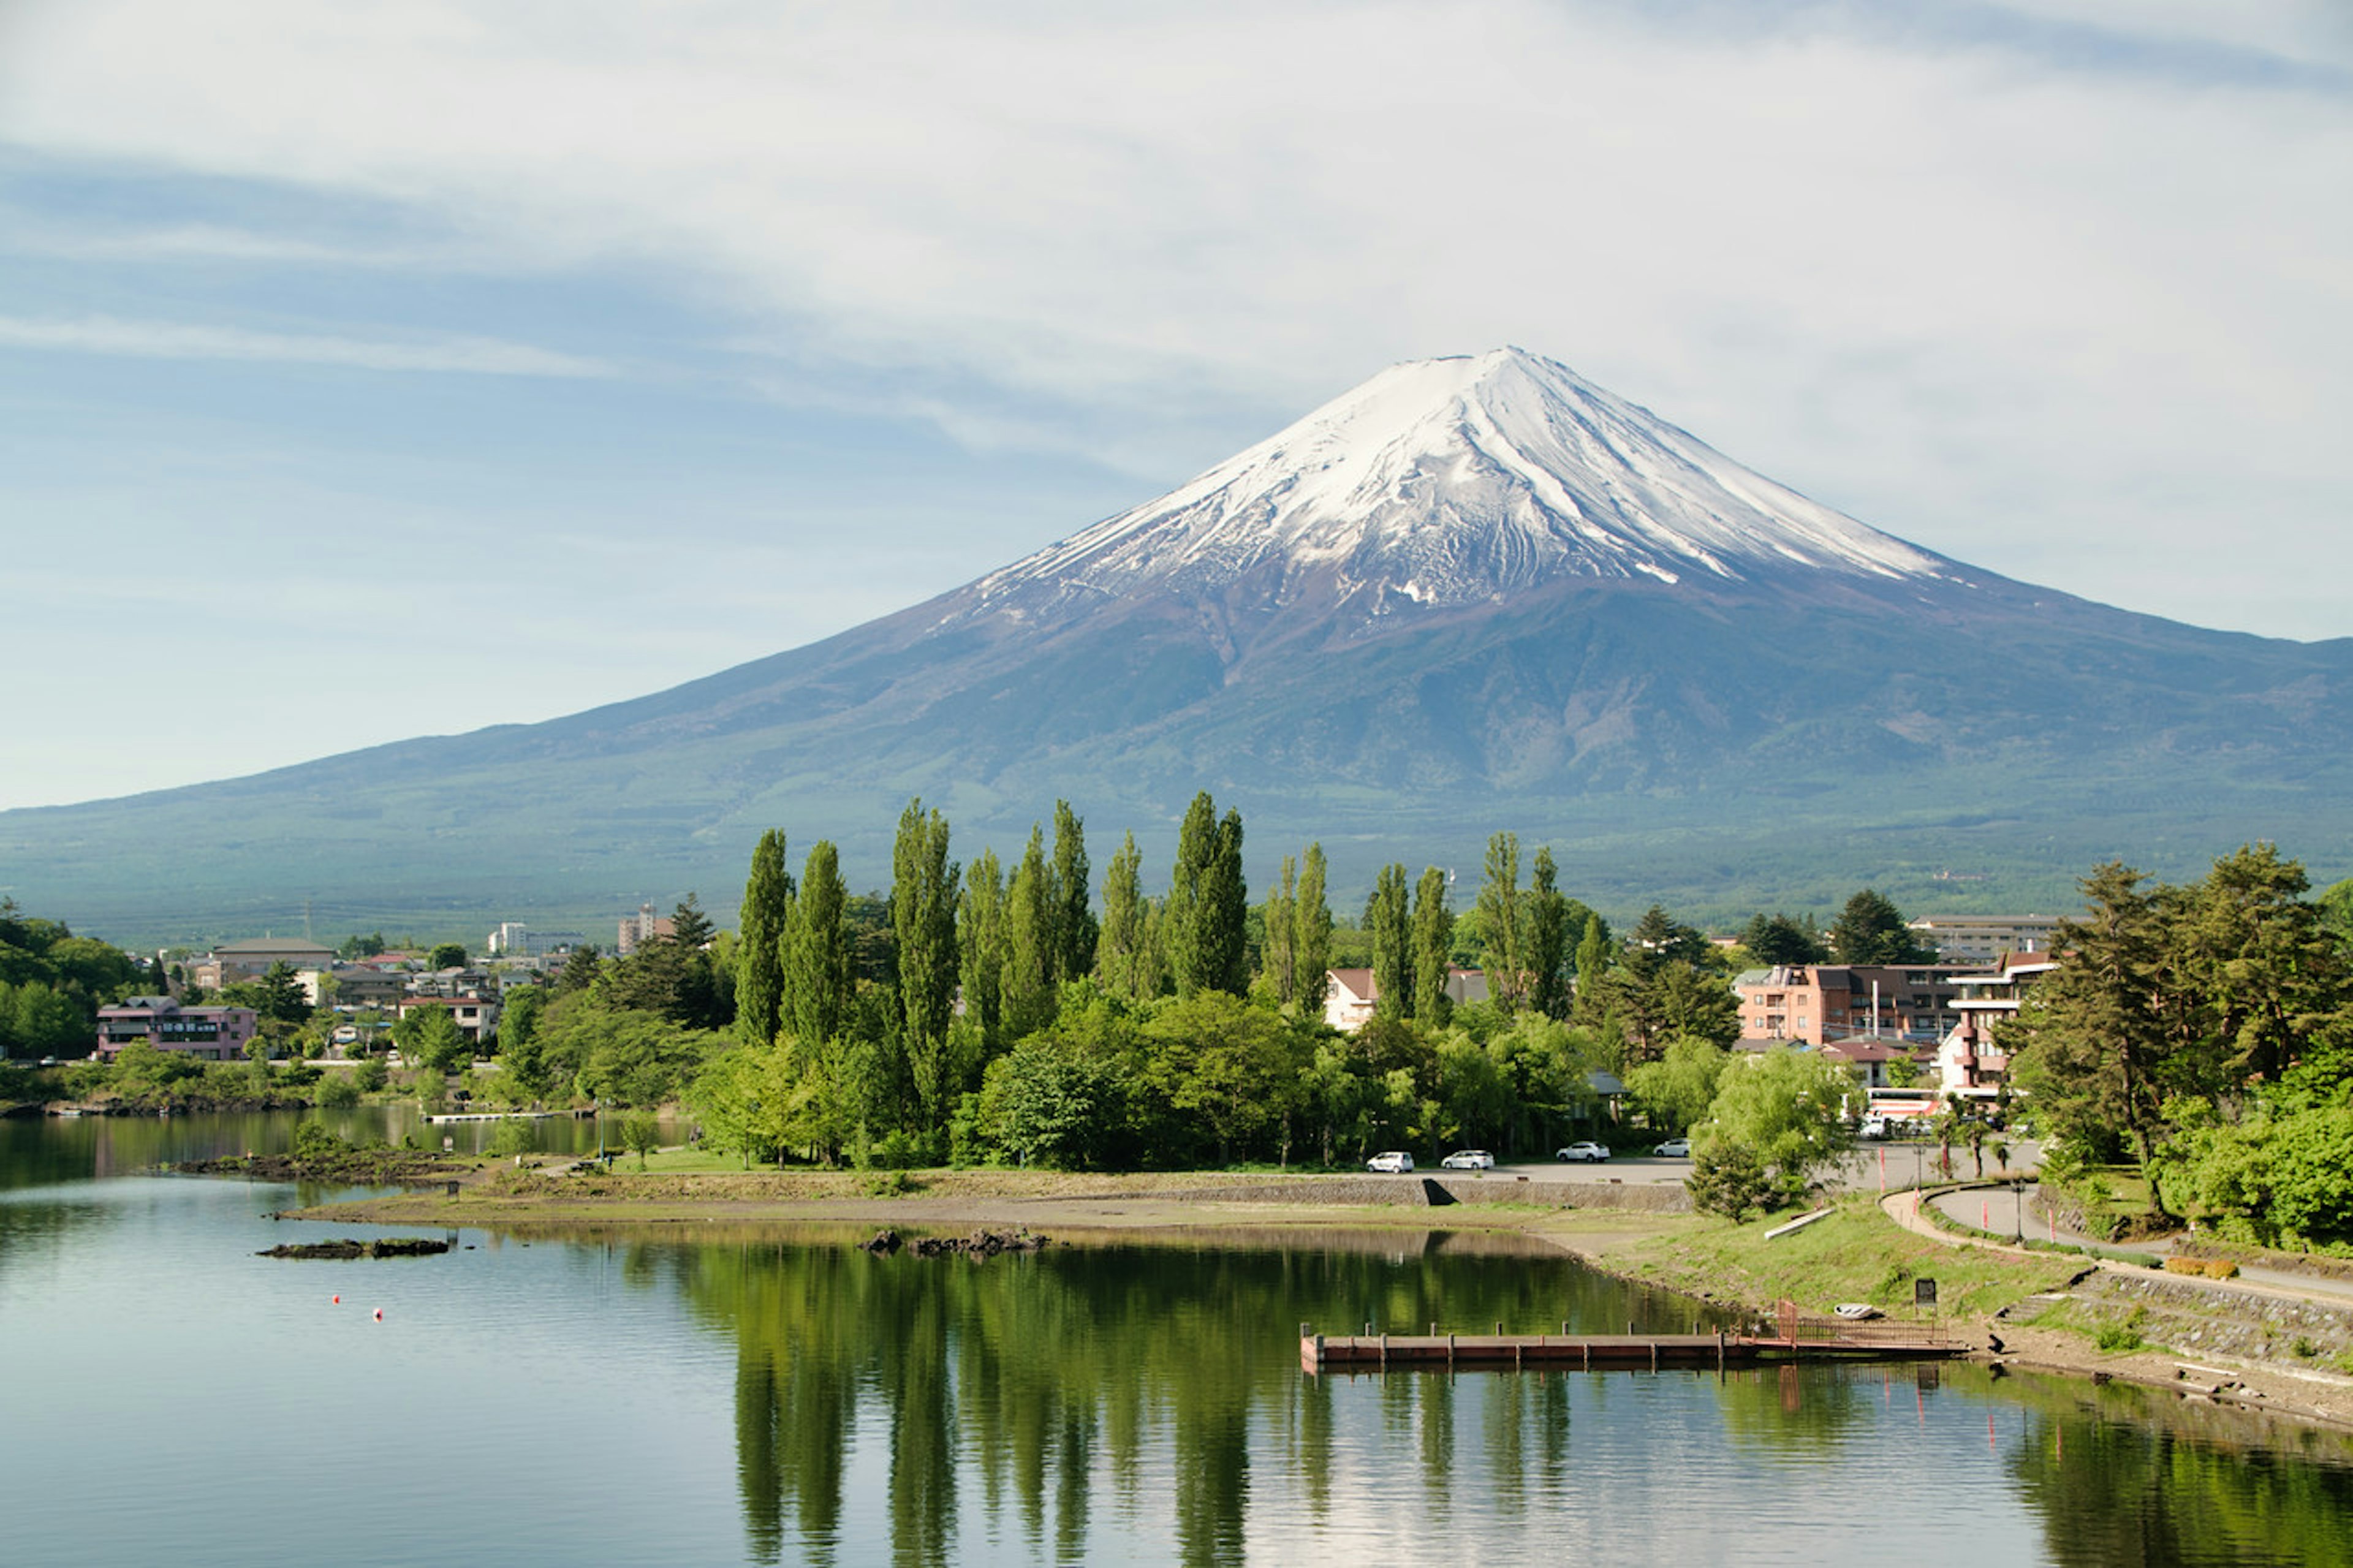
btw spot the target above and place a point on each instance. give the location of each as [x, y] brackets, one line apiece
[2190, 1320]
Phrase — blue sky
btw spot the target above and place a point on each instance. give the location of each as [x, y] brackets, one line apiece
[375, 370]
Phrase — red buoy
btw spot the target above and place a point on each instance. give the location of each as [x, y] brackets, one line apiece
[339, 1300]
[379, 1314]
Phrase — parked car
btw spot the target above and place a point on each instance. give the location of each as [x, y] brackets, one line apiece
[1875, 1127]
[1395, 1161]
[1582, 1151]
[1675, 1148]
[1468, 1159]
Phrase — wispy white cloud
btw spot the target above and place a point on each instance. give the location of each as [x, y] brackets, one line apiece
[178, 340]
[2034, 283]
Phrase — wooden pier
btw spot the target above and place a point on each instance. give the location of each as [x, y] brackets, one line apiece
[1794, 1337]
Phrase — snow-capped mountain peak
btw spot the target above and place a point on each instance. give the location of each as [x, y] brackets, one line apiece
[1452, 481]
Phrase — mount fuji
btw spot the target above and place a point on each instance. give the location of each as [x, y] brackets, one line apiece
[1472, 593]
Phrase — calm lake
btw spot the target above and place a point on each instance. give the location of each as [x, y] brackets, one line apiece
[718, 1393]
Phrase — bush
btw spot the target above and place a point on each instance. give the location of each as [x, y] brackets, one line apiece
[371, 1075]
[2207, 1268]
[1730, 1182]
[2117, 1338]
[315, 1144]
[339, 1092]
[512, 1138]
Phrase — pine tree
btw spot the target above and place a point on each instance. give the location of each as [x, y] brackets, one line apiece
[1075, 931]
[1386, 917]
[1311, 939]
[815, 952]
[1871, 930]
[1433, 941]
[759, 953]
[1500, 923]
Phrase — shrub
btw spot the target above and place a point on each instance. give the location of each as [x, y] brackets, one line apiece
[339, 1092]
[1729, 1181]
[512, 1138]
[315, 1144]
[2116, 1337]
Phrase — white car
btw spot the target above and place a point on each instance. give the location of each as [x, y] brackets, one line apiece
[1468, 1159]
[1582, 1151]
[1393, 1161]
[1674, 1149]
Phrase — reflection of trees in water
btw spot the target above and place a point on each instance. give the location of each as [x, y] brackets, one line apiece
[1815, 1409]
[1031, 1380]
[2122, 1476]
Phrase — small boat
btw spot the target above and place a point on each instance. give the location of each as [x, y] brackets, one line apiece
[1857, 1311]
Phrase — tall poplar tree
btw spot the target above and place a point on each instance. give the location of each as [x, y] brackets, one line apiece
[1207, 918]
[1075, 931]
[1119, 952]
[816, 950]
[1500, 917]
[922, 918]
[1030, 948]
[1281, 932]
[759, 957]
[1593, 954]
[1196, 846]
[1547, 924]
[981, 943]
[1433, 940]
[1223, 929]
[1311, 939]
[1387, 917]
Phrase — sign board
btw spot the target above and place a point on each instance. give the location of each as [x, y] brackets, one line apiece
[1923, 1292]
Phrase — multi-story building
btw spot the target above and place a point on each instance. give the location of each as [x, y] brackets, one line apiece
[1819, 1002]
[1969, 1061]
[639, 928]
[516, 940]
[1983, 939]
[252, 958]
[214, 1034]
[477, 1017]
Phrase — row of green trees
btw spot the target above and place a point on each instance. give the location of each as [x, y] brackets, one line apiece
[2205, 1031]
[988, 1010]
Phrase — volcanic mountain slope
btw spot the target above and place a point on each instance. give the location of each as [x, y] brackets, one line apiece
[1472, 592]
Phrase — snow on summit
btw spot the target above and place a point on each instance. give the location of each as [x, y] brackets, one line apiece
[1450, 481]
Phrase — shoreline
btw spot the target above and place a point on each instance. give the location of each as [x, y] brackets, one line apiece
[1607, 1232]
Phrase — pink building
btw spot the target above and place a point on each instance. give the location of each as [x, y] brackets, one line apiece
[214, 1034]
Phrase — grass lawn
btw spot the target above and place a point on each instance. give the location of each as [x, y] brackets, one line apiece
[1858, 1254]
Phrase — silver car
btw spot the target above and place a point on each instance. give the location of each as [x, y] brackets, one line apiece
[1468, 1159]
[1393, 1161]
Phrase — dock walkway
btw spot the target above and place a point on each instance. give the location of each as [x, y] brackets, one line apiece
[1796, 1338]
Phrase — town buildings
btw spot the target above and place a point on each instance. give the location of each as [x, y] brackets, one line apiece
[1983, 939]
[210, 1034]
